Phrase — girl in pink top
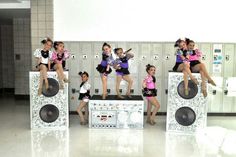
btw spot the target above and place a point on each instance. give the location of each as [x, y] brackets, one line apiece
[197, 66]
[150, 92]
[58, 56]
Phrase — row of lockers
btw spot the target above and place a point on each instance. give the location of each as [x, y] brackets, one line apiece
[87, 55]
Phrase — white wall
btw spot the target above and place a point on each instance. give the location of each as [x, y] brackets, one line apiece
[144, 20]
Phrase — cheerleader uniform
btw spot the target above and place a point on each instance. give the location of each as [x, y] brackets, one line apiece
[179, 60]
[43, 55]
[106, 60]
[150, 90]
[84, 93]
[194, 57]
[60, 58]
[124, 65]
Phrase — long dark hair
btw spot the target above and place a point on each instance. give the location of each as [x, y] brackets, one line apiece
[56, 43]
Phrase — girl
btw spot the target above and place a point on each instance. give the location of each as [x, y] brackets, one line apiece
[182, 63]
[84, 97]
[58, 56]
[121, 65]
[197, 66]
[43, 62]
[104, 67]
[150, 92]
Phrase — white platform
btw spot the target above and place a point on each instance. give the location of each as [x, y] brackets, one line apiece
[60, 101]
[114, 113]
[198, 104]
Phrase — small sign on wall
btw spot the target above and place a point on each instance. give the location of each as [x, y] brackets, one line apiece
[217, 58]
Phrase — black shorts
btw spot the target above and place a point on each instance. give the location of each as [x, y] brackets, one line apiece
[42, 64]
[102, 69]
[193, 63]
[124, 71]
[149, 92]
[176, 66]
[84, 95]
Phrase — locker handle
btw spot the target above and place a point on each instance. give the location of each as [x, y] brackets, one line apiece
[166, 91]
[227, 57]
[73, 90]
[226, 92]
[108, 90]
[132, 91]
[214, 92]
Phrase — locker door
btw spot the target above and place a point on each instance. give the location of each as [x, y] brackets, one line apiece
[73, 62]
[74, 92]
[157, 58]
[97, 86]
[96, 57]
[215, 95]
[85, 57]
[134, 62]
[160, 94]
[207, 56]
[169, 58]
[145, 58]
[228, 71]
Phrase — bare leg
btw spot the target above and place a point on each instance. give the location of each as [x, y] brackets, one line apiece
[104, 86]
[156, 105]
[203, 84]
[40, 82]
[86, 116]
[44, 72]
[187, 69]
[197, 68]
[79, 111]
[149, 108]
[203, 68]
[128, 79]
[60, 77]
[118, 80]
[181, 68]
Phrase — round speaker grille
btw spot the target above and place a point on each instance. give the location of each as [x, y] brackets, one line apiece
[185, 116]
[49, 113]
[192, 87]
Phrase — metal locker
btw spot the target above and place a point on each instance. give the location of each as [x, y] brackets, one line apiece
[215, 94]
[157, 58]
[74, 87]
[96, 57]
[169, 58]
[228, 72]
[111, 85]
[73, 62]
[164, 92]
[207, 57]
[134, 62]
[96, 83]
[85, 57]
[228, 61]
[122, 45]
[145, 58]
[159, 94]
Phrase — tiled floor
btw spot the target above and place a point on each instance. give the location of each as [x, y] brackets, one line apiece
[16, 138]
